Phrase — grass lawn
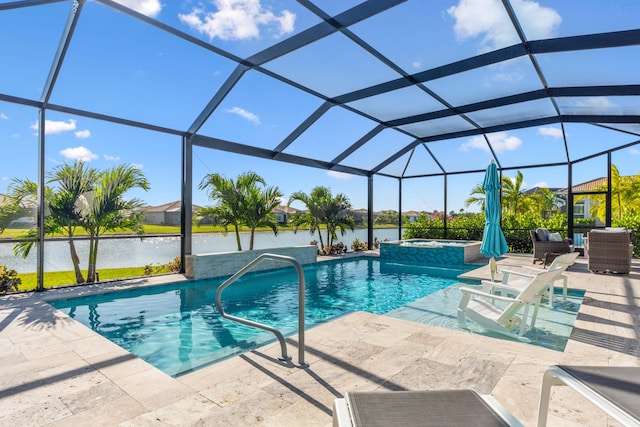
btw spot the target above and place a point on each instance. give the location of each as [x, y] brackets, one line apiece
[64, 278]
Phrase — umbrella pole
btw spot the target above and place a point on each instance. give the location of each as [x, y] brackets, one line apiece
[493, 267]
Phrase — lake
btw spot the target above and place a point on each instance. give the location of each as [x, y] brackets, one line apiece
[136, 252]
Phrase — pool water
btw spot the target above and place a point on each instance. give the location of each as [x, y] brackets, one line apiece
[553, 324]
[177, 328]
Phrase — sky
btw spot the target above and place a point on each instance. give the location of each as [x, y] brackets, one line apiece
[118, 66]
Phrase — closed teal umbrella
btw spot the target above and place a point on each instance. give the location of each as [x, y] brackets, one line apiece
[493, 242]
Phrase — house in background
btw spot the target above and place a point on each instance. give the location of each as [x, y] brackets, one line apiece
[582, 208]
[26, 215]
[361, 216]
[560, 197]
[411, 216]
[282, 213]
[167, 214]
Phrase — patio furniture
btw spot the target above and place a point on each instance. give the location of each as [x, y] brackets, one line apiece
[563, 261]
[480, 305]
[420, 408]
[609, 250]
[545, 242]
[614, 389]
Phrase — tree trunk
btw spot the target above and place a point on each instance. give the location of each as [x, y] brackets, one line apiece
[93, 256]
[320, 237]
[238, 237]
[253, 231]
[76, 262]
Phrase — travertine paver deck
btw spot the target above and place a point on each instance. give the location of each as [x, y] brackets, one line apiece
[55, 371]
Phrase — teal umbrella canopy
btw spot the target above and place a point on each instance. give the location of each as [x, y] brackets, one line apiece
[493, 242]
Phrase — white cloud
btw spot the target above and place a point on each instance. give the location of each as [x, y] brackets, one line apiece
[146, 7]
[541, 184]
[416, 64]
[476, 142]
[4, 178]
[634, 151]
[14, 135]
[500, 142]
[52, 127]
[538, 21]
[3, 116]
[513, 76]
[238, 20]
[111, 158]
[597, 102]
[550, 132]
[339, 175]
[488, 18]
[82, 134]
[138, 166]
[79, 153]
[245, 114]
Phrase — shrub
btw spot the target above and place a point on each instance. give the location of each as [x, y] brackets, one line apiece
[8, 279]
[357, 245]
[175, 265]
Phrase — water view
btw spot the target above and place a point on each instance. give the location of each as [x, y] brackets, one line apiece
[135, 252]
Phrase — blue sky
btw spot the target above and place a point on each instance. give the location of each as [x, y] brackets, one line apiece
[118, 66]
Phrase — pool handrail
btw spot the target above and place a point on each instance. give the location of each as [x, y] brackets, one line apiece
[276, 332]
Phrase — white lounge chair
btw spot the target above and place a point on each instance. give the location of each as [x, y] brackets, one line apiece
[561, 262]
[420, 408]
[614, 389]
[480, 305]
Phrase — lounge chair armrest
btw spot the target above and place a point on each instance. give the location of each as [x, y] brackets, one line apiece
[519, 273]
[532, 270]
[488, 286]
[505, 287]
[487, 295]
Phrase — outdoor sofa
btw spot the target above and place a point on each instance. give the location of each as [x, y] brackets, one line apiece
[545, 242]
[609, 250]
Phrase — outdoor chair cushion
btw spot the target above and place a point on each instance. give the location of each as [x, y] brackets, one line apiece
[555, 237]
[542, 247]
[542, 234]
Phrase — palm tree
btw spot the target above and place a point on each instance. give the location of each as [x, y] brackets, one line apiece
[476, 197]
[324, 208]
[260, 204]
[337, 216]
[314, 215]
[107, 210]
[624, 195]
[513, 198]
[11, 206]
[306, 219]
[231, 197]
[85, 197]
[66, 203]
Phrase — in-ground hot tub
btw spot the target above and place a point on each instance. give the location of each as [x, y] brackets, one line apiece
[434, 252]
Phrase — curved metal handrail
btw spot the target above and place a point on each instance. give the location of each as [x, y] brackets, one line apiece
[276, 332]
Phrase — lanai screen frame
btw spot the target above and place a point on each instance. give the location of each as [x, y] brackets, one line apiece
[330, 25]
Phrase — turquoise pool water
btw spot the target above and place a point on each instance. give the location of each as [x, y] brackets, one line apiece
[178, 329]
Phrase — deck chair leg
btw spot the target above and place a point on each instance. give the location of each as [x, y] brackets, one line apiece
[548, 380]
[462, 310]
[523, 324]
[535, 316]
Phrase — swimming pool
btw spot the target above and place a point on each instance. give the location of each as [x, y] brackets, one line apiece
[431, 252]
[177, 328]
